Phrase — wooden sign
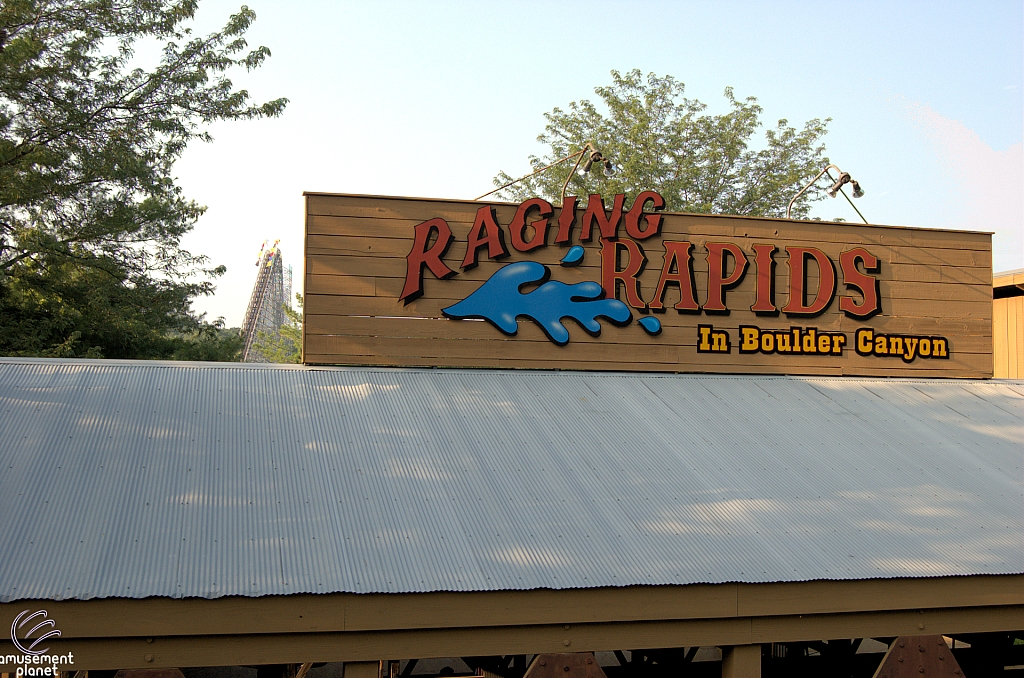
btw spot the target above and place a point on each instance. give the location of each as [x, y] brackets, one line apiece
[615, 283]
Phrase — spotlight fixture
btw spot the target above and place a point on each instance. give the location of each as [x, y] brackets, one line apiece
[595, 156]
[834, 189]
[598, 157]
[844, 178]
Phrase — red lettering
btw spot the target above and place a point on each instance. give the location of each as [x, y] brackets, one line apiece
[797, 304]
[611, 274]
[485, 231]
[865, 284]
[653, 220]
[540, 227]
[678, 254]
[566, 220]
[764, 260]
[421, 256]
[595, 212]
[718, 280]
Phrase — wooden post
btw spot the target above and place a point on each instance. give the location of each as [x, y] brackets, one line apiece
[362, 670]
[741, 661]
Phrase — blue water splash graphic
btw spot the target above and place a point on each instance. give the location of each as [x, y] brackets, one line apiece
[574, 257]
[651, 325]
[500, 302]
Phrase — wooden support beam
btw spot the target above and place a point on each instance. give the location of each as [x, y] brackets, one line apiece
[308, 613]
[362, 670]
[361, 646]
[149, 673]
[741, 661]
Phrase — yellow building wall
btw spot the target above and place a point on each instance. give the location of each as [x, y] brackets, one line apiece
[1008, 337]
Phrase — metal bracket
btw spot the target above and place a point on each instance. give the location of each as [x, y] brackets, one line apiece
[918, 656]
[565, 665]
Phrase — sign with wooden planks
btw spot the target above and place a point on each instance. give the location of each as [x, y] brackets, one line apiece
[615, 283]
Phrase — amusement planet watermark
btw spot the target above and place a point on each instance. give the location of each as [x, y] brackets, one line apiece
[33, 662]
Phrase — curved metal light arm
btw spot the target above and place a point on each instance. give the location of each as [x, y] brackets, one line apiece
[578, 155]
[789, 208]
[810, 183]
[586, 146]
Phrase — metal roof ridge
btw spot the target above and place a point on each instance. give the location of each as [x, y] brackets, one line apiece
[505, 589]
[16, 360]
[198, 364]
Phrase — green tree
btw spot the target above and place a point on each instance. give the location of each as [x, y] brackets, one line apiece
[286, 345]
[210, 342]
[91, 219]
[660, 140]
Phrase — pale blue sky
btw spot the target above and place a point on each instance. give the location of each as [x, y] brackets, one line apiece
[433, 98]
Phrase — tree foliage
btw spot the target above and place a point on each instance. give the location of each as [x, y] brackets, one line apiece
[658, 139]
[91, 219]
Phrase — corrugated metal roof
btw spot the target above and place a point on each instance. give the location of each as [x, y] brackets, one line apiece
[134, 479]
